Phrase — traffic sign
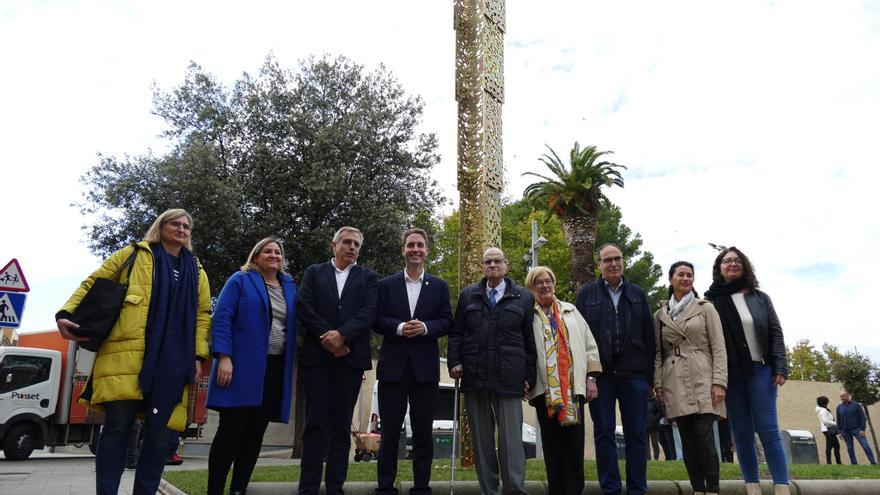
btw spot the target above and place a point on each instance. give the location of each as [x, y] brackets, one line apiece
[12, 278]
[11, 308]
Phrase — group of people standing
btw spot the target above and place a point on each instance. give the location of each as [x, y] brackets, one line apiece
[704, 359]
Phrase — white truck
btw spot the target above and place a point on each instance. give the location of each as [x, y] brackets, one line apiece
[39, 386]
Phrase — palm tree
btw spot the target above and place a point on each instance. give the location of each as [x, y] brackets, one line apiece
[575, 196]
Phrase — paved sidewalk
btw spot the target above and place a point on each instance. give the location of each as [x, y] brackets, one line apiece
[68, 471]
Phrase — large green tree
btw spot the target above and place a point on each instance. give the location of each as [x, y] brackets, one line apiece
[293, 152]
[574, 193]
[807, 363]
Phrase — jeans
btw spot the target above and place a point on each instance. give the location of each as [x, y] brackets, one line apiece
[851, 449]
[751, 408]
[633, 396]
[112, 446]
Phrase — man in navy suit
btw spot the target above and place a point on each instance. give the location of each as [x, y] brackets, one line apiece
[336, 308]
[414, 312]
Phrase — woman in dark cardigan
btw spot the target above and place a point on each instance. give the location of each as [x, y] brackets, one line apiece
[756, 366]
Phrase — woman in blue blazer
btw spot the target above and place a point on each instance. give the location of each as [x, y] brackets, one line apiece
[252, 342]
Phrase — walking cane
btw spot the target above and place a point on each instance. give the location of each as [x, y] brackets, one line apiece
[454, 437]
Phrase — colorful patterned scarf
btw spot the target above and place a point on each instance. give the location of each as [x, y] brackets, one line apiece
[560, 400]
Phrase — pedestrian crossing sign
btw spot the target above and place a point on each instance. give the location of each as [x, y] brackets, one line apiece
[11, 307]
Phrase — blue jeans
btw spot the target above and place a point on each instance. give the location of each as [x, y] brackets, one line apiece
[851, 449]
[633, 396]
[751, 408]
[110, 459]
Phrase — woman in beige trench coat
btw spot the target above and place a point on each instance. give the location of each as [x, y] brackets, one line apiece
[690, 374]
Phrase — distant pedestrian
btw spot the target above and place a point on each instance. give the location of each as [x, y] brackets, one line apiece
[667, 438]
[756, 366]
[655, 412]
[829, 429]
[851, 420]
[724, 439]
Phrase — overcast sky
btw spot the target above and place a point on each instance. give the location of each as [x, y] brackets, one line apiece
[747, 123]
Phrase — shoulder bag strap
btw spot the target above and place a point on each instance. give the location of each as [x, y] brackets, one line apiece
[128, 263]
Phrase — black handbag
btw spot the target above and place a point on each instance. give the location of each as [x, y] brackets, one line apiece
[99, 309]
[833, 429]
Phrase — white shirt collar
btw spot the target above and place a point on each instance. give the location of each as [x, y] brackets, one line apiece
[346, 270]
[500, 288]
[420, 278]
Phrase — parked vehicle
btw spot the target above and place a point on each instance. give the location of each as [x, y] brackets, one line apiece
[40, 382]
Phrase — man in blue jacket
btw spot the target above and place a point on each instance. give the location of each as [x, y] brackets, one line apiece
[851, 421]
[414, 311]
[620, 319]
[336, 306]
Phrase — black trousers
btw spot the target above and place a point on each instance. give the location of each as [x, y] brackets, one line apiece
[667, 441]
[725, 440]
[654, 443]
[563, 448]
[831, 443]
[700, 456]
[330, 393]
[240, 433]
[393, 399]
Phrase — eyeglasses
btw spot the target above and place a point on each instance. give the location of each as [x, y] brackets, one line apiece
[732, 261]
[613, 259]
[179, 225]
[494, 261]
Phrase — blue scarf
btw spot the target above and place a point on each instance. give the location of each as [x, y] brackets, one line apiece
[170, 334]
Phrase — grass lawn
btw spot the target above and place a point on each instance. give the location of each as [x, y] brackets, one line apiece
[195, 482]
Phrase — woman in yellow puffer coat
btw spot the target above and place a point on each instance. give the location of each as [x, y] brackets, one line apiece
[153, 351]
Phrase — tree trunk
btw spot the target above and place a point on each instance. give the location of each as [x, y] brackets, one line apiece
[580, 233]
[873, 435]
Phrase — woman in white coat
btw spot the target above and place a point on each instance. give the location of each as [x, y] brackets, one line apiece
[567, 364]
[829, 429]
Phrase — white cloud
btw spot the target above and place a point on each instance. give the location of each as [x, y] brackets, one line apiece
[751, 123]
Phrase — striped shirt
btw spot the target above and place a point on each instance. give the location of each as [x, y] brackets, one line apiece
[277, 331]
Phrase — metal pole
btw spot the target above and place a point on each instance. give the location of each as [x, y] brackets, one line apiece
[454, 438]
[533, 250]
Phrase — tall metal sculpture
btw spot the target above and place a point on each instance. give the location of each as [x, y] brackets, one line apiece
[479, 91]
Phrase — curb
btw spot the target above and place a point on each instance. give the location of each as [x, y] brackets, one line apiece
[166, 488]
[728, 487]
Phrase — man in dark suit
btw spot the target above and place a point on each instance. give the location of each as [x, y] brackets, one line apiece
[414, 311]
[336, 308]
